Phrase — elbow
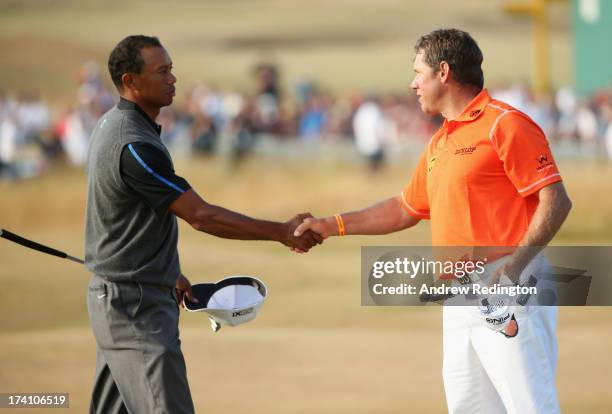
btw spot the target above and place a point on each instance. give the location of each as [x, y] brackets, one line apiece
[568, 206]
[565, 206]
[400, 224]
[556, 200]
[199, 226]
[200, 221]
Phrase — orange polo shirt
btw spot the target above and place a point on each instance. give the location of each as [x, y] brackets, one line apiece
[478, 178]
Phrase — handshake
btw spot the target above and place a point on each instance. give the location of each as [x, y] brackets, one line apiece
[303, 232]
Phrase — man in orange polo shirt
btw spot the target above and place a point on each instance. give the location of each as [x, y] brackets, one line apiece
[486, 178]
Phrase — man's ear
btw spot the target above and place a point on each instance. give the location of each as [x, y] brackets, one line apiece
[128, 81]
[444, 71]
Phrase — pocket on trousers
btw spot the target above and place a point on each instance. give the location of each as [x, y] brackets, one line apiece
[130, 298]
[99, 296]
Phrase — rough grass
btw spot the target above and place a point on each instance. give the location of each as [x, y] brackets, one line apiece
[313, 349]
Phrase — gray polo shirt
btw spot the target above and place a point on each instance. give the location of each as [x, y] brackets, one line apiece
[130, 235]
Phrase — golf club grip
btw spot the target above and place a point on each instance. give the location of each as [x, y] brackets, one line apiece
[32, 245]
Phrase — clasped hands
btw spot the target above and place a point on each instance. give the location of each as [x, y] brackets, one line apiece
[304, 232]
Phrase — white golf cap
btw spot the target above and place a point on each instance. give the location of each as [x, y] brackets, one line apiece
[230, 301]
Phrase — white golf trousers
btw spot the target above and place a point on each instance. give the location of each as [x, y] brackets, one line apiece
[486, 373]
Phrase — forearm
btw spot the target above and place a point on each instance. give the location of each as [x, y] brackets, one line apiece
[552, 210]
[228, 224]
[225, 223]
[385, 217]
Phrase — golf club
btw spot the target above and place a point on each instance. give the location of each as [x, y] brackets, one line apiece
[37, 246]
[232, 314]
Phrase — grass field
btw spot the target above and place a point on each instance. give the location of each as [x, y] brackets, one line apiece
[313, 349]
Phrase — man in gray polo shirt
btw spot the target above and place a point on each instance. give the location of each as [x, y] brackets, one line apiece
[134, 197]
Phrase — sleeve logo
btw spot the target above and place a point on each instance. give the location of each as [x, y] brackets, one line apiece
[543, 163]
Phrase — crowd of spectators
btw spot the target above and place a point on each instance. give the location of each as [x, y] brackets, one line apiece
[208, 120]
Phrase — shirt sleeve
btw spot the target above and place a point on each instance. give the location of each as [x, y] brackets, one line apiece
[149, 173]
[414, 197]
[525, 153]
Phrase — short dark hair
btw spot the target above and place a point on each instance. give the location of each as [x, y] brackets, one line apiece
[458, 49]
[125, 57]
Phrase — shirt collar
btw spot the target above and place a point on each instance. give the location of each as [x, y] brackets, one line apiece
[475, 108]
[125, 104]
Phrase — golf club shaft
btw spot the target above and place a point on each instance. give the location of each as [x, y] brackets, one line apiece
[37, 246]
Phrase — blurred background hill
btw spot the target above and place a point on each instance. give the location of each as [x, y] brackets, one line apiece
[343, 44]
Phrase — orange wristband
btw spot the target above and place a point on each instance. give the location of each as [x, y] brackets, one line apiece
[340, 222]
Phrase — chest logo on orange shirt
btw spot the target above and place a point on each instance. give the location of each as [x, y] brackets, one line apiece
[431, 163]
[465, 150]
